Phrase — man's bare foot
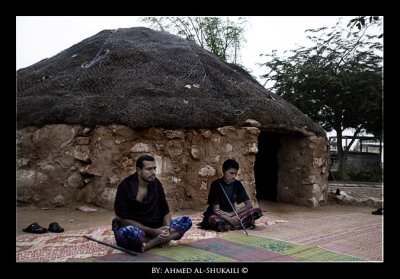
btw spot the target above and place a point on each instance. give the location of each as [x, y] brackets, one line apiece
[168, 244]
[152, 243]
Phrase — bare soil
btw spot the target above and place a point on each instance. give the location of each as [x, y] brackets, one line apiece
[70, 218]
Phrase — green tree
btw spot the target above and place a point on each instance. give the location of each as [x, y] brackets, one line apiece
[366, 22]
[338, 82]
[222, 37]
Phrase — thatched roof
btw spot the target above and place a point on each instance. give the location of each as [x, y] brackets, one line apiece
[144, 78]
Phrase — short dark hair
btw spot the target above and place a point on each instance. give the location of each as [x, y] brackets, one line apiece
[139, 161]
[230, 164]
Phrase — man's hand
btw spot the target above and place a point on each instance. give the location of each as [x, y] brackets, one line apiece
[234, 221]
[161, 232]
[230, 214]
[219, 212]
[165, 233]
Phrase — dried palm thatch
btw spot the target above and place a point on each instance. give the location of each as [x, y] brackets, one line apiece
[144, 78]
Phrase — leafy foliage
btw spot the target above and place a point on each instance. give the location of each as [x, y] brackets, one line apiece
[222, 37]
[338, 81]
[374, 175]
[364, 22]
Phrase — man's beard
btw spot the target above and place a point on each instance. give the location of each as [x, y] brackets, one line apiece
[150, 178]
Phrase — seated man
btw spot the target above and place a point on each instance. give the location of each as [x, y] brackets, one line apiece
[220, 215]
[142, 213]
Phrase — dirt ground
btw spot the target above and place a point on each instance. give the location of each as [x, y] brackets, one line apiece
[70, 218]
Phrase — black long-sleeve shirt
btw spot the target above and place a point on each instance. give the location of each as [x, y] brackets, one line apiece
[235, 192]
[149, 212]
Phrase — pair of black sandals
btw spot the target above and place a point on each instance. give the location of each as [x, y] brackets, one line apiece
[36, 228]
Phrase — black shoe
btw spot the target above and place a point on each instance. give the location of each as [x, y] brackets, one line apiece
[115, 224]
[34, 228]
[379, 211]
[55, 227]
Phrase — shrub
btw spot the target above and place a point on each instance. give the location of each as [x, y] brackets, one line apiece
[372, 175]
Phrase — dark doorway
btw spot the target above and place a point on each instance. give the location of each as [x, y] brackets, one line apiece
[266, 166]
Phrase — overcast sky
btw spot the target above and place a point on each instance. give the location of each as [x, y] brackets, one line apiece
[40, 37]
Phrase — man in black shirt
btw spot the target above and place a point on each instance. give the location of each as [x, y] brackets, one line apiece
[142, 213]
[220, 215]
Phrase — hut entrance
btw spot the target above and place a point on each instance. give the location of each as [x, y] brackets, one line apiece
[266, 166]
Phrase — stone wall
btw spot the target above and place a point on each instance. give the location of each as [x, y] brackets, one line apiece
[303, 170]
[60, 165]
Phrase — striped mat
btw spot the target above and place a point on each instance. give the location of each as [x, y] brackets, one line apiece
[232, 247]
[356, 234]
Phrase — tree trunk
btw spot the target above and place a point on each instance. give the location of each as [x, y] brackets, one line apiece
[342, 152]
[341, 155]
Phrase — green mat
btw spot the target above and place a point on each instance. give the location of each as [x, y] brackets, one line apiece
[297, 251]
[232, 247]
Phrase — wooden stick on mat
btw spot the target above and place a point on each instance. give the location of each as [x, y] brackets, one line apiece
[111, 245]
[234, 210]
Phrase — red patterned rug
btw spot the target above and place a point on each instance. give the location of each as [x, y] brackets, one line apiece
[72, 246]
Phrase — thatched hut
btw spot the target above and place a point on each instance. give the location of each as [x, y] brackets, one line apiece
[86, 114]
